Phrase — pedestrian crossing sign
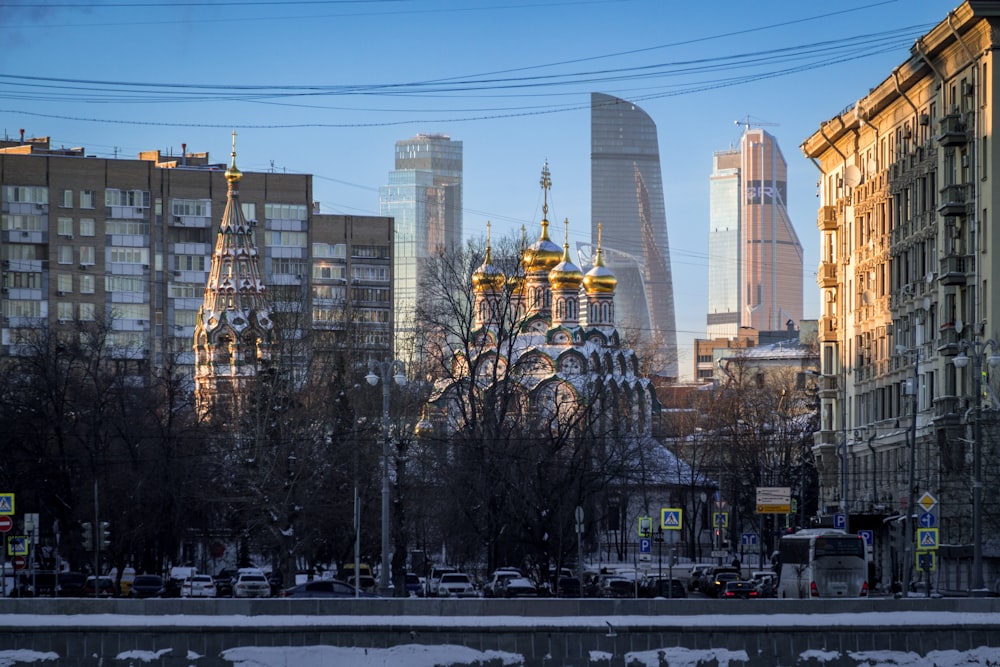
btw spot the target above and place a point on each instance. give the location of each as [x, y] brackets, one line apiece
[6, 503]
[670, 518]
[927, 538]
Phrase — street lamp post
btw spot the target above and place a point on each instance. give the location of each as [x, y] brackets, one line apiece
[384, 371]
[977, 350]
[911, 489]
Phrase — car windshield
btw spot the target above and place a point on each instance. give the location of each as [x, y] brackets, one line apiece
[253, 578]
[454, 579]
[143, 580]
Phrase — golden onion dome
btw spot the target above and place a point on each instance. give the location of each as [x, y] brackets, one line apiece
[565, 274]
[488, 277]
[599, 279]
[233, 175]
[543, 254]
[515, 282]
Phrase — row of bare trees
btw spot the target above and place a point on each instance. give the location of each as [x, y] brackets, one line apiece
[90, 434]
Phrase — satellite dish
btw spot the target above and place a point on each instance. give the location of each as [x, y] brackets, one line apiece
[852, 176]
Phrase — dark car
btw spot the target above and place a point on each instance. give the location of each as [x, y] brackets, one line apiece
[148, 586]
[716, 581]
[568, 587]
[99, 587]
[414, 587]
[324, 588]
[70, 584]
[224, 581]
[662, 587]
[739, 589]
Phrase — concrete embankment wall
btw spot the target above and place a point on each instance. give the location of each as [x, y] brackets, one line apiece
[533, 633]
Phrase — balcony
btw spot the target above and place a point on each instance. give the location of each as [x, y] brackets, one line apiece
[827, 220]
[953, 198]
[952, 131]
[827, 329]
[948, 338]
[827, 275]
[953, 270]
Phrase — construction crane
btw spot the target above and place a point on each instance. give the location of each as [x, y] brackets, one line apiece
[747, 124]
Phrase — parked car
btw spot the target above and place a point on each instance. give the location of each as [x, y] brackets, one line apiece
[147, 586]
[617, 587]
[739, 588]
[765, 582]
[456, 584]
[176, 578]
[568, 587]
[697, 574]
[251, 584]
[434, 578]
[101, 587]
[664, 587]
[70, 584]
[414, 585]
[199, 586]
[494, 588]
[324, 588]
[224, 581]
[519, 587]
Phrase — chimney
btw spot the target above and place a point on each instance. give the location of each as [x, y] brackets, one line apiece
[22, 135]
[184, 154]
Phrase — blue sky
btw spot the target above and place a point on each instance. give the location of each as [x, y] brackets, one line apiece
[327, 86]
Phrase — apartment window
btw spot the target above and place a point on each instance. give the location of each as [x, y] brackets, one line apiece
[87, 284]
[131, 227]
[65, 226]
[64, 311]
[64, 282]
[87, 199]
[193, 207]
[131, 311]
[118, 255]
[186, 291]
[23, 280]
[87, 227]
[329, 250]
[370, 251]
[87, 255]
[189, 262]
[15, 308]
[330, 292]
[124, 284]
[134, 198]
[64, 254]
[321, 272]
[87, 311]
[26, 194]
[286, 239]
[370, 273]
[21, 223]
[66, 199]
[285, 212]
[289, 266]
[249, 210]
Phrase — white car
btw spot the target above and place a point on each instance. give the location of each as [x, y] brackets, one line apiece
[251, 585]
[198, 586]
[456, 584]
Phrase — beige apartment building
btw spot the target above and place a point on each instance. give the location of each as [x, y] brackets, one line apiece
[84, 238]
[910, 258]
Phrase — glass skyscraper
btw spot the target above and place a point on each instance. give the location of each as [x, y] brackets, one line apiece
[754, 254]
[424, 196]
[626, 198]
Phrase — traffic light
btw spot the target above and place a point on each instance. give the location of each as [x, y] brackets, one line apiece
[105, 534]
[88, 536]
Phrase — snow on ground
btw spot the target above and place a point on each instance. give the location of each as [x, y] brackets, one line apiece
[421, 655]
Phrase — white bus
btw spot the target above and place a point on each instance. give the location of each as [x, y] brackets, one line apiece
[822, 563]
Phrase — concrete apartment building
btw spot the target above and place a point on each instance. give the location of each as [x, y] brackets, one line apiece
[909, 266]
[86, 237]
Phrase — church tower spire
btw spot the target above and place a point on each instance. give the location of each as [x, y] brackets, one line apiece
[233, 333]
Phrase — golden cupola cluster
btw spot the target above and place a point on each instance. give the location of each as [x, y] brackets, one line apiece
[544, 256]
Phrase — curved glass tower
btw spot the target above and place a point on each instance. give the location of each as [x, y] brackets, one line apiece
[626, 196]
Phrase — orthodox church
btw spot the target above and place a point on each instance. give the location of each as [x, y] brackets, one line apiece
[557, 327]
[234, 333]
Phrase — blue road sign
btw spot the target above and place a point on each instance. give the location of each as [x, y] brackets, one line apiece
[927, 538]
[867, 535]
[645, 545]
[748, 539]
[928, 520]
[840, 521]
[670, 518]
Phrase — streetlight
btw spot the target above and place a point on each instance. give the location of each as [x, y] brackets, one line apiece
[393, 369]
[978, 349]
[912, 481]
